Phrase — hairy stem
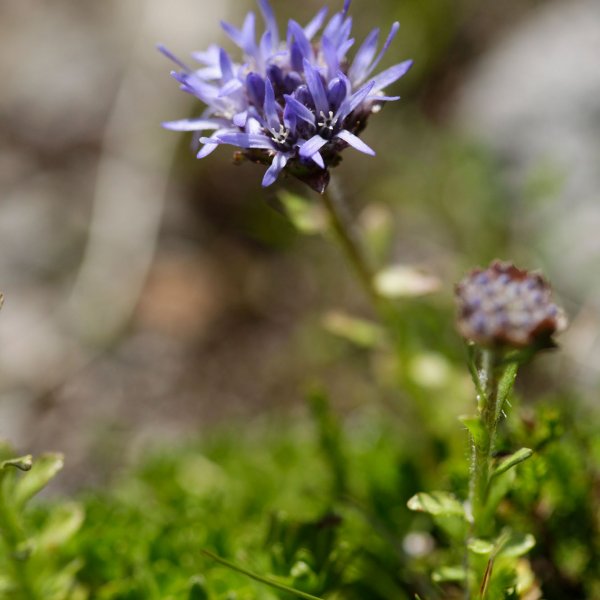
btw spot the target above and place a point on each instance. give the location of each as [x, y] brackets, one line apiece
[482, 448]
[348, 240]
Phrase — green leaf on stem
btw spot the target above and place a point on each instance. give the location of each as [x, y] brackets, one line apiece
[307, 217]
[23, 463]
[473, 357]
[479, 546]
[449, 574]
[475, 427]
[376, 225]
[63, 524]
[42, 471]
[498, 488]
[437, 504]
[404, 281]
[517, 544]
[361, 332]
[505, 386]
[511, 461]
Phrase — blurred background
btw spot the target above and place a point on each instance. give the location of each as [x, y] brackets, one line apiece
[149, 295]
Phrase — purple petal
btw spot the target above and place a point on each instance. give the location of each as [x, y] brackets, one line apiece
[244, 38]
[234, 33]
[333, 26]
[315, 85]
[345, 31]
[311, 146]
[391, 35]
[266, 46]
[208, 73]
[364, 57]
[278, 164]
[270, 21]
[210, 56]
[248, 34]
[191, 125]
[242, 140]
[270, 107]
[210, 145]
[240, 119]
[354, 101]
[330, 56]
[291, 82]
[385, 98]
[193, 85]
[275, 74]
[253, 126]
[299, 109]
[355, 142]
[290, 119]
[296, 57]
[343, 49]
[297, 33]
[303, 95]
[255, 85]
[315, 24]
[346, 7]
[230, 88]
[337, 90]
[226, 65]
[207, 149]
[172, 57]
[390, 75]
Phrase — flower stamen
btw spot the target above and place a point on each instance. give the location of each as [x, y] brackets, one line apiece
[327, 123]
[281, 136]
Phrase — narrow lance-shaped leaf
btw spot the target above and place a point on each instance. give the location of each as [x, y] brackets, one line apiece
[448, 574]
[361, 332]
[42, 471]
[473, 356]
[63, 524]
[475, 427]
[517, 544]
[398, 281]
[510, 461]
[307, 217]
[505, 386]
[437, 504]
[23, 463]
[479, 546]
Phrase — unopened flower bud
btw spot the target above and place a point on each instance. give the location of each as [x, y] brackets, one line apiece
[505, 306]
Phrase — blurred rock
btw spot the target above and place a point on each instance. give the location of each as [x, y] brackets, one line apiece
[535, 100]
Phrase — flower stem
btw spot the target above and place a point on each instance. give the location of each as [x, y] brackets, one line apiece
[348, 240]
[488, 373]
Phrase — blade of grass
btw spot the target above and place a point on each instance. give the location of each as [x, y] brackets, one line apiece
[260, 578]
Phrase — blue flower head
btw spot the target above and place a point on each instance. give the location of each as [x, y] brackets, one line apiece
[291, 104]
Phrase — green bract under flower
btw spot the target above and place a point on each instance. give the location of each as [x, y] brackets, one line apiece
[505, 306]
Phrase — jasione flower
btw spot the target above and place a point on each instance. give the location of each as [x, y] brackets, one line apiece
[290, 104]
